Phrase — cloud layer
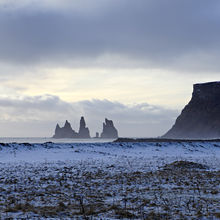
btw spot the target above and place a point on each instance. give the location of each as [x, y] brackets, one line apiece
[103, 50]
[37, 116]
[159, 34]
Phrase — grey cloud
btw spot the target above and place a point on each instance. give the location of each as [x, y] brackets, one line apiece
[163, 34]
[37, 108]
[132, 120]
[41, 114]
[43, 103]
[143, 113]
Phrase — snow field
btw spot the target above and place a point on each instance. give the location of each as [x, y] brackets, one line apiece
[110, 180]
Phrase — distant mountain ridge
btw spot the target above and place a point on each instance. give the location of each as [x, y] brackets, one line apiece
[201, 117]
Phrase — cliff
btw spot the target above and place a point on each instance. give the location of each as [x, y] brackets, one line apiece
[201, 117]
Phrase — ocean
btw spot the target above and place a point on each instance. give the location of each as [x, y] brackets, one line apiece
[47, 139]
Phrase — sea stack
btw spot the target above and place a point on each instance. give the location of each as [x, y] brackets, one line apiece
[97, 135]
[65, 132]
[83, 130]
[109, 130]
[201, 117]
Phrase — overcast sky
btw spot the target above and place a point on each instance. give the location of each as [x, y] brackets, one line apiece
[131, 61]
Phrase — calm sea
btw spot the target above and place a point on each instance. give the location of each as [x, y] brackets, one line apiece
[45, 139]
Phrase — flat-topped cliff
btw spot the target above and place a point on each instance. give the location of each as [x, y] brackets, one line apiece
[201, 117]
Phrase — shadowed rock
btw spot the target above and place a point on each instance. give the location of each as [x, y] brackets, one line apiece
[109, 130]
[83, 130]
[97, 135]
[201, 117]
[185, 165]
[65, 132]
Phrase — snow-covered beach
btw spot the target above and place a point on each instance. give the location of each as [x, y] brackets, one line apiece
[155, 154]
[145, 180]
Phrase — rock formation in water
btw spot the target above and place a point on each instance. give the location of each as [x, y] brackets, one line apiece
[65, 132]
[83, 130]
[97, 135]
[201, 117]
[109, 130]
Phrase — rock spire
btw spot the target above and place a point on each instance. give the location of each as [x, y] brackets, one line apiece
[109, 130]
[65, 132]
[83, 130]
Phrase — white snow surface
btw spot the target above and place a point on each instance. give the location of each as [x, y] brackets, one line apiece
[115, 180]
[136, 155]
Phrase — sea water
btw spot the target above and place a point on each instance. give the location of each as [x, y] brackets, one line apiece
[47, 139]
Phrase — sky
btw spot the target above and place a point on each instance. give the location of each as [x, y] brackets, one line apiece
[134, 62]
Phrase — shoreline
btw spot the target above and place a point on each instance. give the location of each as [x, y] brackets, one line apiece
[164, 140]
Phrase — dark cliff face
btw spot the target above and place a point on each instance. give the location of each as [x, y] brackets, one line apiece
[109, 130]
[201, 117]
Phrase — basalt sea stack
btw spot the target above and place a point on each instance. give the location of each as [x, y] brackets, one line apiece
[201, 117]
[109, 130]
[83, 130]
[65, 132]
[68, 132]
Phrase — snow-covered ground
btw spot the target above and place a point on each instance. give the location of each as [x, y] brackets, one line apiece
[110, 180]
[137, 155]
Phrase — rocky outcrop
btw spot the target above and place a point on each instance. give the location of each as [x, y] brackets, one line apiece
[68, 132]
[109, 130]
[65, 132]
[201, 117]
[97, 135]
[83, 130]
